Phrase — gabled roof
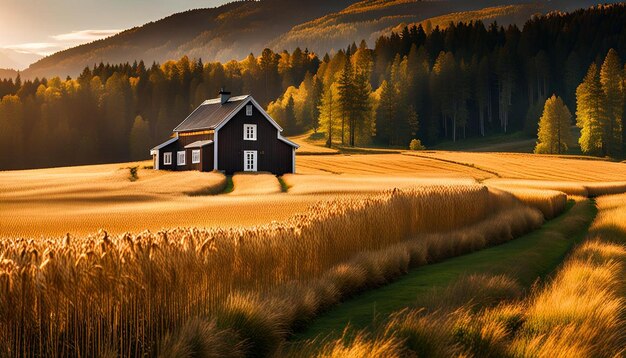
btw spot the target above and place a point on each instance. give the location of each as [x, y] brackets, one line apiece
[211, 113]
[199, 144]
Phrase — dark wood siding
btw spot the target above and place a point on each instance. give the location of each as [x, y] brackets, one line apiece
[170, 148]
[273, 155]
[207, 158]
[206, 154]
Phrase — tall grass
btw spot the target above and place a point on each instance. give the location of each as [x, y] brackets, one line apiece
[549, 202]
[581, 312]
[133, 295]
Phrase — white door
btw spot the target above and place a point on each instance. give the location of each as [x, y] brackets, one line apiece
[249, 160]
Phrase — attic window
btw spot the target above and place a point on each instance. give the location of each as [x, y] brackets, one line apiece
[249, 110]
[249, 131]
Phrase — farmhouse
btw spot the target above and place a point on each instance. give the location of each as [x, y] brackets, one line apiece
[229, 134]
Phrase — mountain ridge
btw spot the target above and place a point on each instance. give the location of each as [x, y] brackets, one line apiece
[217, 34]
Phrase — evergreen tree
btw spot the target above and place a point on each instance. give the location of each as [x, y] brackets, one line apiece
[329, 113]
[590, 112]
[554, 127]
[346, 96]
[361, 106]
[612, 87]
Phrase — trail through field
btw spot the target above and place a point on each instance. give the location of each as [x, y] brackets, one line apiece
[534, 256]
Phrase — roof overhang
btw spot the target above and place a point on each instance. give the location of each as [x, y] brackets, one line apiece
[199, 144]
[154, 150]
[280, 137]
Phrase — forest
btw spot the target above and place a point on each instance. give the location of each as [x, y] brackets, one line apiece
[467, 80]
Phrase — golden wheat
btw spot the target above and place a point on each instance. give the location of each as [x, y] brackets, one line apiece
[124, 294]
[550, 202]
[580, 313]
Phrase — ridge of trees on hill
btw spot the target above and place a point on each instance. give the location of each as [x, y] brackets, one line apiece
[464, 81]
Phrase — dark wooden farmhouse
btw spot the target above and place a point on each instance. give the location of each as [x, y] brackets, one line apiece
[229, 134]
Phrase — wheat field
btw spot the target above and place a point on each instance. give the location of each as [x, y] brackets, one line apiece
[81, 200]
[126, 294]
[180, 263]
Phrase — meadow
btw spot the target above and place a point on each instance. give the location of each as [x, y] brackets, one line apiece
[121, 260]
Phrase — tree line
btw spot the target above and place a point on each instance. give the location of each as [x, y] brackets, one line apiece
[441, 84]
[467, 80]
[600, 101]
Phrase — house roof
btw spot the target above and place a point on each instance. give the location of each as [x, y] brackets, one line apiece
[170, 141]
[288, 141]
[211, 113]
[199, 144]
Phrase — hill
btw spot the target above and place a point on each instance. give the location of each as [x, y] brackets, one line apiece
[235, 29]
[211, 34]
[7, 73]
[368, 19]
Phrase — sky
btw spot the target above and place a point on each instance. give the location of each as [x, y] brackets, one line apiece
[33, 28]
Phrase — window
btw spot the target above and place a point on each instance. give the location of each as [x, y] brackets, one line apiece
[167, 158]
[249, 160]
[249, 110]
[249, 131]
[195, 156]
[181, 158]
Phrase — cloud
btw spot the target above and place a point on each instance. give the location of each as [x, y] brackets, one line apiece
[38, 48]
[84, 35]
[61, 42]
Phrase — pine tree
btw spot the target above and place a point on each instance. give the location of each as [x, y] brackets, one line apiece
[329, 113]
[612, 87]
[361, 106]
[346, 96]
[590, 112]
[554, 127]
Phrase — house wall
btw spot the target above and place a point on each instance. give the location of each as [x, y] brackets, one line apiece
[172, 148]
[273, 155]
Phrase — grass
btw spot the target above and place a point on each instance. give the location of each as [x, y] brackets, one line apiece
[230, 186]
[540, 251]
[284, 187]
[518, 142]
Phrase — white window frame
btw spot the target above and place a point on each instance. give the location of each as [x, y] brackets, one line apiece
[246, 167]
[167, 158]
[195, 156]
[249, 110]
[252, 128]
[178, 156]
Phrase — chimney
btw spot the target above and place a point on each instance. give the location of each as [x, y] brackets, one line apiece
[224, 96]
